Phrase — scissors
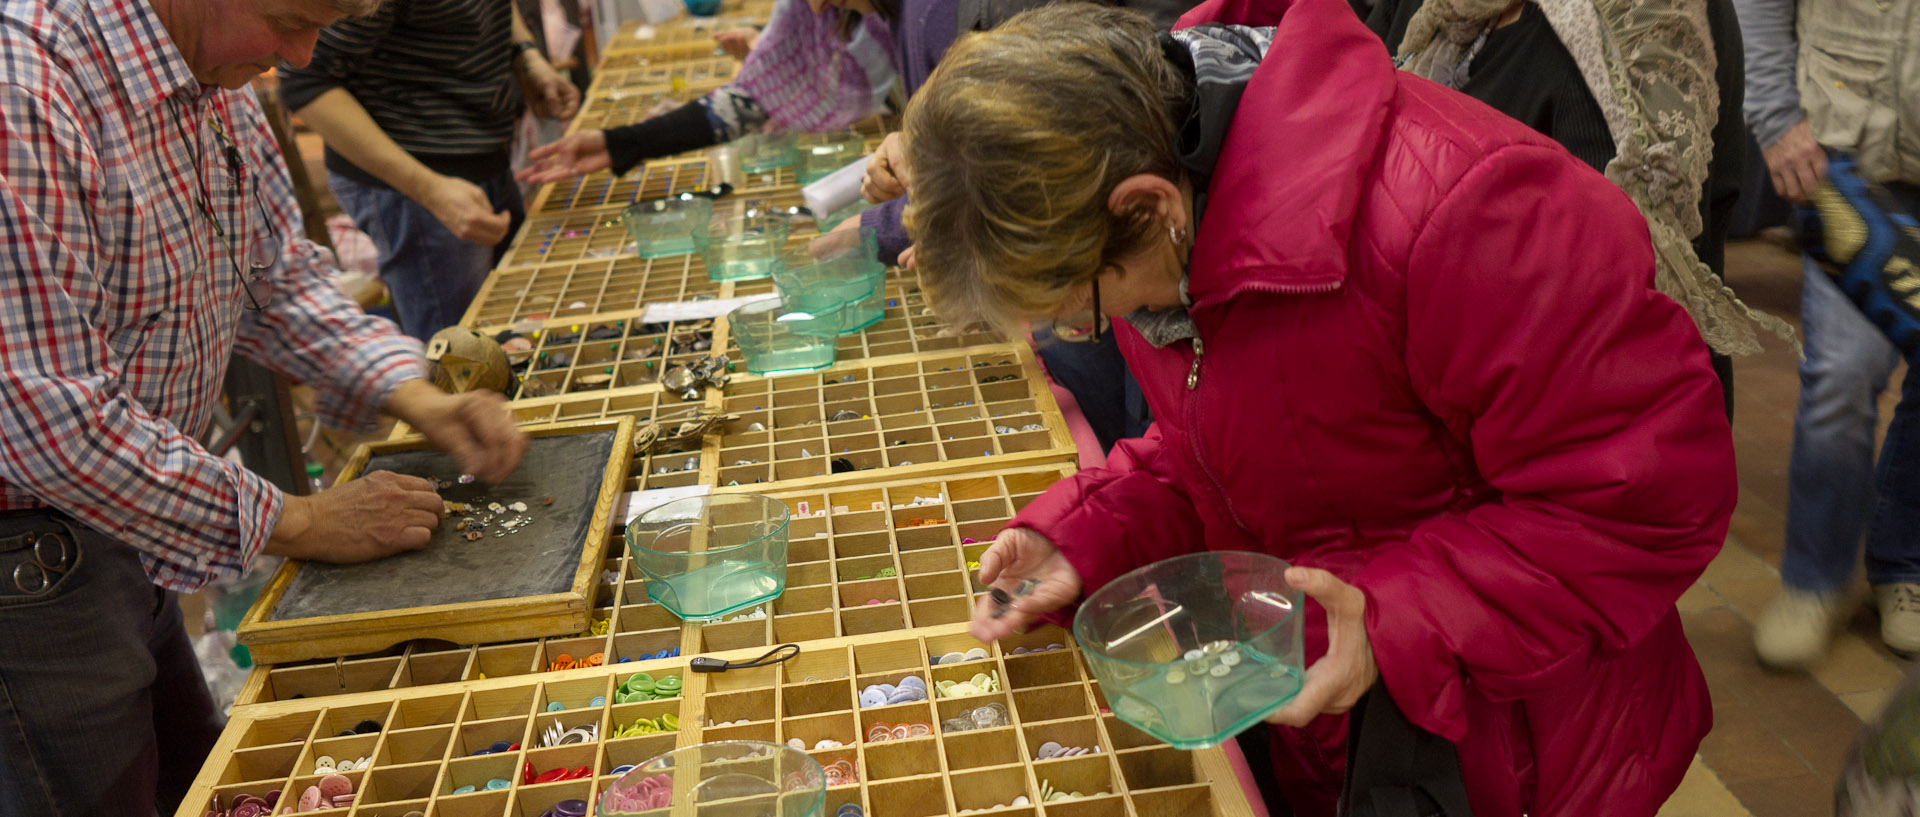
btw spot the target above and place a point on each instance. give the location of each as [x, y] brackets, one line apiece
[52, 556]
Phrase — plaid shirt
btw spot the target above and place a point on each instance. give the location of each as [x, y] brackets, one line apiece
[119, 303]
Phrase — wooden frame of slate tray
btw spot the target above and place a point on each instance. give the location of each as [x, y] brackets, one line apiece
[346, 610]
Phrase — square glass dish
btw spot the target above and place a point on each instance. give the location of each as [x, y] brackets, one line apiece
[741, 248]
[706, 556]
[839, 270]
[1195, 649]
[663, 227]
[761, 152]
[821, 154]
[776, 339]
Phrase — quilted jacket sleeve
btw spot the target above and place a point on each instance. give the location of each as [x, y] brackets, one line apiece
[1110, 520]
[1534, 333]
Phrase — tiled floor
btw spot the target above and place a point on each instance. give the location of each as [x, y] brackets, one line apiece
[1779, 738]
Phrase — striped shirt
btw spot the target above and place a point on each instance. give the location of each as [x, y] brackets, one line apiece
[120, 305]
[435, 75]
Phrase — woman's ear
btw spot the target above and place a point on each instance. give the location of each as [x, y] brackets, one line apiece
[1148, 193]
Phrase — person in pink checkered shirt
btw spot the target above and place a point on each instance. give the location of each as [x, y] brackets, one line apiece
[148, 231]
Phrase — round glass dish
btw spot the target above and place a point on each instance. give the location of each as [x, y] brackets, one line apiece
[721, 779]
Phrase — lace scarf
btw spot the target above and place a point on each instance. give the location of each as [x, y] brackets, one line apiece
[1649, 64]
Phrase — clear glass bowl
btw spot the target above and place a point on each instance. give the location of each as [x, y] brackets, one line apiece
[761, 152]
[729, 778]
[741, 248]
[824, 153]
[662, 227]
[839, 270]
[778, 340]
[706, 556]
[1195, 649]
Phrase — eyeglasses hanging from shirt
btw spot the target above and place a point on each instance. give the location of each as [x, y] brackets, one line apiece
[254, 272]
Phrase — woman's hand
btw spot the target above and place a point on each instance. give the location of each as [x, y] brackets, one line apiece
[1336, 681]
[1019, 555]
[887, 173]
[737, 41]
[573, 155]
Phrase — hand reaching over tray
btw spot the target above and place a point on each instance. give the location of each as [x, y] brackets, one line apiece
[475, 427]
[377, 515]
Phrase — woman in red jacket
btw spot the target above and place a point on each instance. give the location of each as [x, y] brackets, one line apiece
[1387, 335]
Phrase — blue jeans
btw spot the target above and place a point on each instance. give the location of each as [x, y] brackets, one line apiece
[103, 710]
[431, 273]
[1835, 493]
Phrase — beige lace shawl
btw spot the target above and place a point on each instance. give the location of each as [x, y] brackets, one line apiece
[1650, 64]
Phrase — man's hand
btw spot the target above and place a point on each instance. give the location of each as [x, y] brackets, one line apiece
[1336, 681]
[475, 427]
[550, 95]
[464, 208]
[887, 173]
[1796, 162]
[573, 155]
[377, 515]
[737, 41]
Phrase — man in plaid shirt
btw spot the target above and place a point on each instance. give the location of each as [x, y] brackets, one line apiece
[149, 230]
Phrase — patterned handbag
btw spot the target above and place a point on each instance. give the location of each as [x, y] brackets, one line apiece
[1870, 246]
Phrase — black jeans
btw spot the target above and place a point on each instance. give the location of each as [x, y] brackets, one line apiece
[103, 709]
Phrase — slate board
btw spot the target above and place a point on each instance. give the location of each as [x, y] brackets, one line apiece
[538, 559]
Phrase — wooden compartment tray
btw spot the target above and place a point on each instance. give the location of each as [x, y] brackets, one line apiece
[295, 618]
[423, 750]
[840, 540]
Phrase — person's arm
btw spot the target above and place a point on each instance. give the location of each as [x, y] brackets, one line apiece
[888, 227]
[722, 115]
[360, 365]
[550, 95]
[1796, 163]
[1592, 413]
[1772, 104]
[317, 94]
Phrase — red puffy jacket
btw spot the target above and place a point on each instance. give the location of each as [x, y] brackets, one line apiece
[1433, 362]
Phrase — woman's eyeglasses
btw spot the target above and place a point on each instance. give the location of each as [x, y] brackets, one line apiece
[1085, 326]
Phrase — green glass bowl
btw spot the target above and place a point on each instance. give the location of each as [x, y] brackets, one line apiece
[838, 271]
[1195, 649]
[822, 154]
[761, 152]
[776, 339]
[704, 557]
[741, 248]
[663, 227]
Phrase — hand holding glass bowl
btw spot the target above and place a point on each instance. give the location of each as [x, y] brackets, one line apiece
[1194, 649]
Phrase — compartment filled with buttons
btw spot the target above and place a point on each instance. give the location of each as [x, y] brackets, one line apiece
[860, 706]
[861, 560]
[939, 409]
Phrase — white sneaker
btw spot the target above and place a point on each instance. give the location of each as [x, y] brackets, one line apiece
[1795, 630]
[1899, 616]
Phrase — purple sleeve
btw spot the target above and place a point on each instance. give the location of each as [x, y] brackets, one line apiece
[885, 221]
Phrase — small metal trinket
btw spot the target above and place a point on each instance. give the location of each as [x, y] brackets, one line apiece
[844, 415]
